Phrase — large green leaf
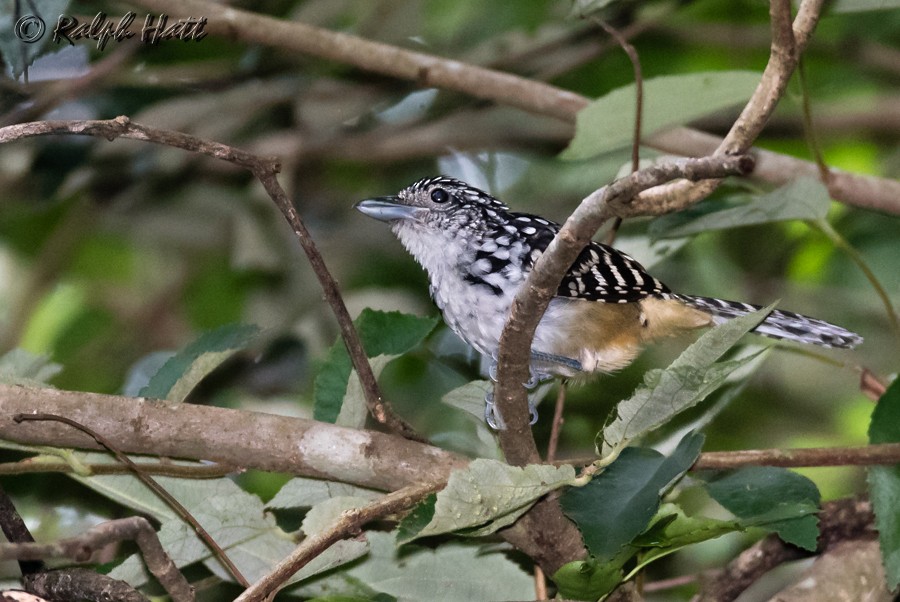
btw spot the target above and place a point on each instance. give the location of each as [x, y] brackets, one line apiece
[685, 383]
[488, 491]
[184, 370]
[884, 482]
[773, 498]
[619, 503]
[800, 199]
[304, 492]
[608, 122]
[382, 333]
[450, 572]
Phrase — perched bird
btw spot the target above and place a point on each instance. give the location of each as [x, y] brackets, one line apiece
[478, 253]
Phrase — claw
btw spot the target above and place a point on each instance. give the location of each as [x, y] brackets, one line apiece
[492, 371]
[532, 411]
[491, 415]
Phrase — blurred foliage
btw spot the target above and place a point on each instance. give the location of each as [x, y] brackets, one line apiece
[111, 253]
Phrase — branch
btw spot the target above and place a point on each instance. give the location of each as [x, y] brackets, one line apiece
[543, 281]
[231, 437]
[265, 170]
[882, 453]
[81, 548]
[840, 520]
[430, 71]
[349, 524]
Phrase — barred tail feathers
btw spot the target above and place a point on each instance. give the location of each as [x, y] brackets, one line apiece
[779, 324]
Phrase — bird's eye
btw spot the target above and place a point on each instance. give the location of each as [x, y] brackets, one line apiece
[439, 195]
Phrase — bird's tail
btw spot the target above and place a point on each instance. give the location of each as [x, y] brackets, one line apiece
[778, 324]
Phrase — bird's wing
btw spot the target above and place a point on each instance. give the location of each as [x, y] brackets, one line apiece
[600, 273]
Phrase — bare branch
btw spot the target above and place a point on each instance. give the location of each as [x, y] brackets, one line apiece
[882, 453]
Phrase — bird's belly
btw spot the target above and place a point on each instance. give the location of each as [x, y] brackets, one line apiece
[477, 317]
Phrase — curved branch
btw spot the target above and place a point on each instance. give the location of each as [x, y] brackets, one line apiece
[543, 281]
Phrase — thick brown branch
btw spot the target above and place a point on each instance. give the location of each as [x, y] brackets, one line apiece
[231, 437]
[427, 70]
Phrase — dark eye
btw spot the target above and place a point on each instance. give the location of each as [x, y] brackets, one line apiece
[439, 195]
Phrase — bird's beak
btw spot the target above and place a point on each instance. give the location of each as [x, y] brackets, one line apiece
[387, 209]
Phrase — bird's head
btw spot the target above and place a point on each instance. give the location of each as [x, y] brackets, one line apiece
[439, 203]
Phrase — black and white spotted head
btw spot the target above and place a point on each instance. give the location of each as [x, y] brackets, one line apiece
[439, 203]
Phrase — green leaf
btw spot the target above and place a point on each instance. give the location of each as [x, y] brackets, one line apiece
[608, 122]
[488, 490]
[304, 492]
[470, 399]
[588, 579]
[411, 524]
[17, 53]
[20, 367]
[773, 498]
[884, 482]
[685, 383]
[184, 370]
[801, 199]
[617, 505]
[451, 572]
[382, 333]
[354, 411]
[675, 529]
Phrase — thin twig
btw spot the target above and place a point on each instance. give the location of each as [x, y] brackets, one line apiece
[884, 454]
[151, 484]
[881, 453]
[348, 525]
[638, 110]
[81, 548]
[556, 425]
[165, 469]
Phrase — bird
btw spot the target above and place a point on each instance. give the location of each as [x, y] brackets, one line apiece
[477, 254]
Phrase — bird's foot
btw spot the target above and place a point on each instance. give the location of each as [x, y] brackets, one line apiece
[492, 415]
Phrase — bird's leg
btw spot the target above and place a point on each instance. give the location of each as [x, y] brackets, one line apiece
[493, 417]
